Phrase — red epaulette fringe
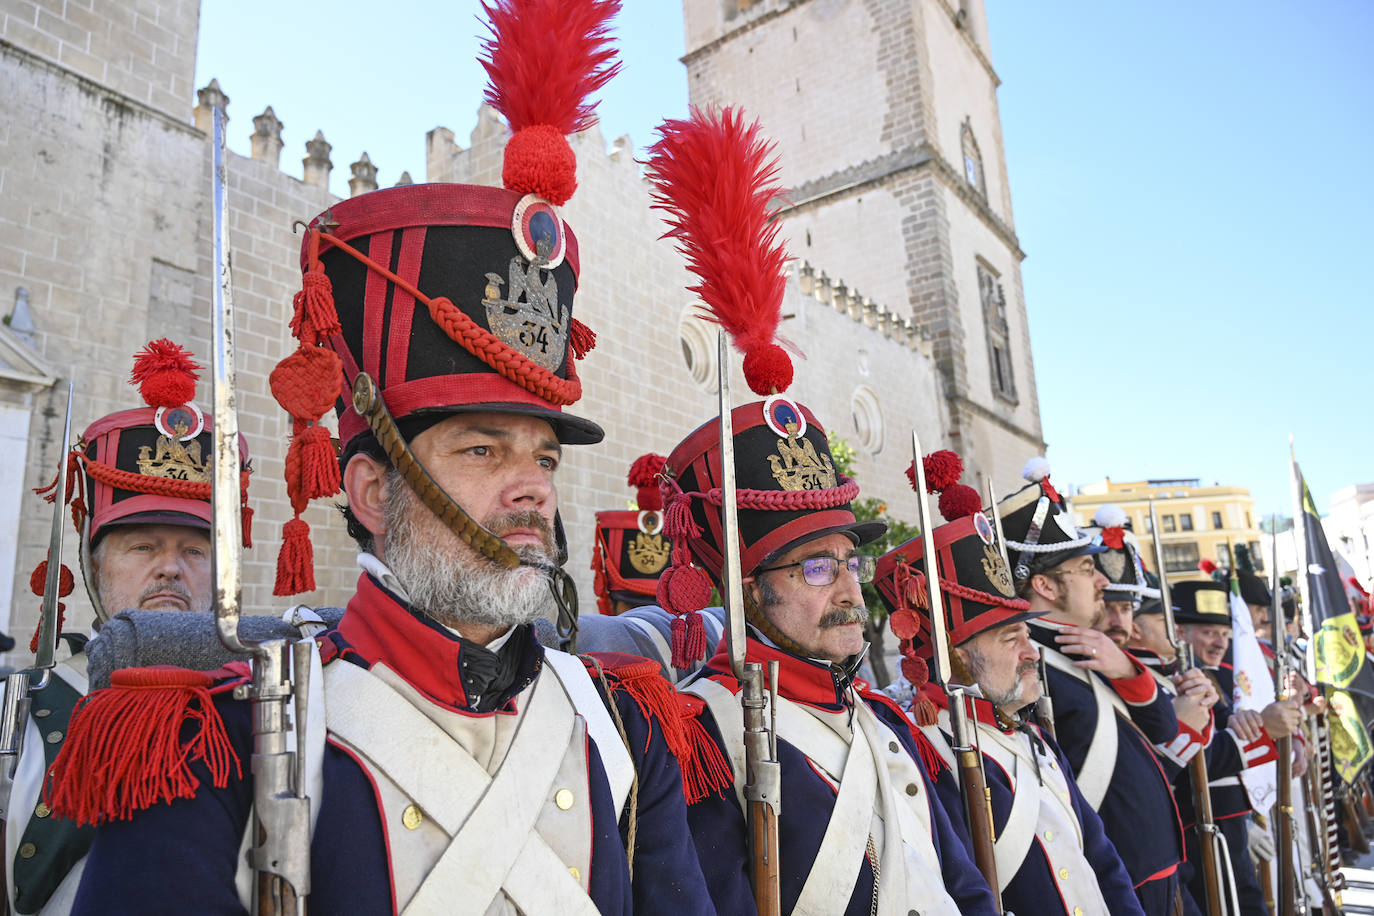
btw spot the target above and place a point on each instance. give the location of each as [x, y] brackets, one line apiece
[125, 752]
[705, 771]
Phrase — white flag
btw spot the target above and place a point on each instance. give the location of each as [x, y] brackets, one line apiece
[1253, 689]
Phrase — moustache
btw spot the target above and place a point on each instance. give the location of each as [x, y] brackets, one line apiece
[172, 586]
[1113, 632]
[843, 616]
[502, 525]
[1024, 669]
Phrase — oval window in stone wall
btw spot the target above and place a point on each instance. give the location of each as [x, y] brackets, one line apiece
[698, 349]
[868, 419]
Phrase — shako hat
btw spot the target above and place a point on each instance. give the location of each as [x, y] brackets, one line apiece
[714, 177]
[1038, 529]
[453, 298]
[1201, 602]
[1253, 588]
[975, 584]
[978, 590]
[1120, 562]
[150, 465]
[630, 550]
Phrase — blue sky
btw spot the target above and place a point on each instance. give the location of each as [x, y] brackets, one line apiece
[1191, 183]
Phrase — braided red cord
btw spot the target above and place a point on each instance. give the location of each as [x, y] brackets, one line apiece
[121, 479]
[480, 342]
[789, 500]
[905, 572]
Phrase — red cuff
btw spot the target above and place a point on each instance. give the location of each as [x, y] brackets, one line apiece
[1138, 689]
[1260, 751]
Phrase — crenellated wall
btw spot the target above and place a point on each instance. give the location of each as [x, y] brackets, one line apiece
[105, 235]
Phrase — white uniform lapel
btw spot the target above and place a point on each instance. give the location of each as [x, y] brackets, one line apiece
[1099, 765]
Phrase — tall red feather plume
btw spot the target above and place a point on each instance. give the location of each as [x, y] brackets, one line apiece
[543, 59]
[715, 178]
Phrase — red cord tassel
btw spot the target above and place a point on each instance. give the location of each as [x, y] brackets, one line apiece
[582, 338]
[125, 751]
[296, 561]
[315, 319]
[61, 619]
[319, 463]
[246, 519]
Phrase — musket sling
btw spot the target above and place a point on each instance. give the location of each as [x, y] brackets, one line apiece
[864, 790]
[495, 847]
[1100, 762]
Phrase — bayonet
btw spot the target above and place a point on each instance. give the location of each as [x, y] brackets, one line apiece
[17, 685]
[972, 782]
[763, 774]
[1208, 835]
[1283, 803]
[280, 850]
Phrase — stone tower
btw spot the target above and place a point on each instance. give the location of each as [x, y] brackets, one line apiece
[885, 114]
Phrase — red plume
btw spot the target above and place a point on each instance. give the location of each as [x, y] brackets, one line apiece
[1207, 566]
[643, 476]
[1355, 583]
[165, 374]
[543, 59]
[715, 178]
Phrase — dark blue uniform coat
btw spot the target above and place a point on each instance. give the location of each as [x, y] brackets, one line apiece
[718, 825]
[181, 857]
[1137, 810]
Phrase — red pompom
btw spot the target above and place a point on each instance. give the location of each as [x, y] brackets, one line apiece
[165, 374]
[767, 369]
[39, 580]
[1114, 537]
[643, 476]
[683, 589]
[959, 501]
[540, 161]
[915, 670]
[1207, 566]
[943, 470]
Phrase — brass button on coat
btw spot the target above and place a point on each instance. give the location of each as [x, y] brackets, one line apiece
[42, 810]
[412, 817]
[54, 737]
[563, 798]
[27, 851]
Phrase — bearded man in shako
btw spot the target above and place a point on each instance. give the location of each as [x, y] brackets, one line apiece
[1051, 853]
[1109, 710]
[465, 769]
[138, 486]
[859, 830]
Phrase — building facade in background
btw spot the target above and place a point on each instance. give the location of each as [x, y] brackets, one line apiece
[1196, 523]
[1350, 528]
[901, 191]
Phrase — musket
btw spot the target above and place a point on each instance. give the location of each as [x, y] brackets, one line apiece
[1285, 843]
[972, 783]
[280, 840]
[1208, 835]
[14, 702]
[763, 773]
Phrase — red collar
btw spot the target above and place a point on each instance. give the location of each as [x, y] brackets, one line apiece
[983, 710]
[378, 628]
[801, 680]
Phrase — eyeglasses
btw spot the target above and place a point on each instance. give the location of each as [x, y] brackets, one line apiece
[1089, 571]
[822, 571]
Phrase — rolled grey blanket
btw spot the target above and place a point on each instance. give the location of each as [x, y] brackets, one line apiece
[644, 631]
[134, 639]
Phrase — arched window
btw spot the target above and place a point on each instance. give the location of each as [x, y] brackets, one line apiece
[698, 349]
[973, 161]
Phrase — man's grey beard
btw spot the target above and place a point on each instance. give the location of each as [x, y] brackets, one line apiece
[1009, 700]
[450, 582]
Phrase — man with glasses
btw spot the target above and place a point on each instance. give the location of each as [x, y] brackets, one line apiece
[862, 830]
[1109, 710]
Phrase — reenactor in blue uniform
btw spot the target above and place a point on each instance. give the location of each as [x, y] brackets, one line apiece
[1243, 738]
[453, 763]
[861, 829]
[1051, 853]
[140, 495]
[1109, 710]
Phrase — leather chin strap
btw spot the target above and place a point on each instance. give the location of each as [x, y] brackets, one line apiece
[368, 402]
